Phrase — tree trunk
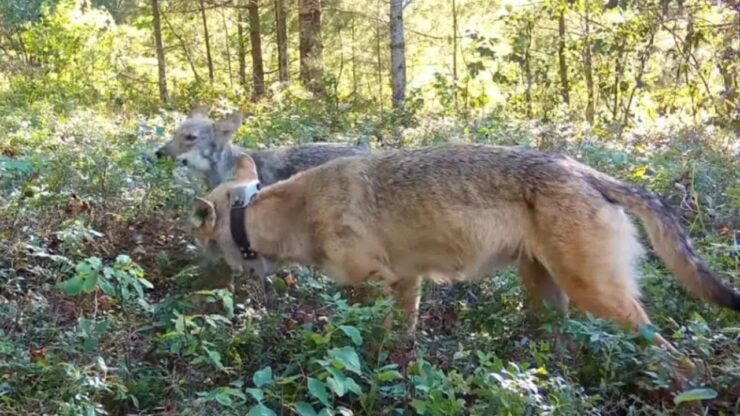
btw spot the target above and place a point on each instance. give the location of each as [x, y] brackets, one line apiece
[454, 52]
[618, 72]
[354, 64]
[282, 40]
[208, 41]
[379, 56]
[242, 50]
[228, 48]
[163, 94]
[312, 64]
[528, 70]
[643, 58]
[254, 37]
[588, 68]
[398, 56]
[184, 47]
[564, 87]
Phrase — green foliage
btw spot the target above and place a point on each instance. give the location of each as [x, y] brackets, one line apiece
[314, 352]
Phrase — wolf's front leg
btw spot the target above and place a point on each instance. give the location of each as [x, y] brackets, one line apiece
[406, 292]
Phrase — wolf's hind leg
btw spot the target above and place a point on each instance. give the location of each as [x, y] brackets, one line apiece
[602, 283]
[540, 285]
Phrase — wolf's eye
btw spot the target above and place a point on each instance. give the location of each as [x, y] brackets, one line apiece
[190, 137]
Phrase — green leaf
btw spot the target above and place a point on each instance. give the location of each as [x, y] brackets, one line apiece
[648, 332]
[389, 375]
[89, 282]
[695, 395]
[73, 286]
[353, 333]
[261, 410]
[263, 377]
[305, 409]
[228, 302]
[326, 412]
[337, 386]
[352, 386]
[215, 357]
[348, 357]
[258, 394]
[223, 398]
[106, 287]
[317, 388]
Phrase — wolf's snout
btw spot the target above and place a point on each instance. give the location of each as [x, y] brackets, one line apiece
[183, 162]
[159, 153]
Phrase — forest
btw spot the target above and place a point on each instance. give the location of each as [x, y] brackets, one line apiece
[107, 306]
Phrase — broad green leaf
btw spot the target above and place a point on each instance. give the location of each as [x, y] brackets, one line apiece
[223, 398]
[228, 302]
[258, 394]
[89, 282]
[352, 386]
[326, 412]
[348, 357]
[261, 410]
[695, 395]
[73, 286]
[353, 333]
[215, 357]
[305, 409]
[389, 375]
[336, 385]
[317, 388]
[263, 377]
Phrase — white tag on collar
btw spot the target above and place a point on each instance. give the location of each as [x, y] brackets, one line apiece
[240, 196]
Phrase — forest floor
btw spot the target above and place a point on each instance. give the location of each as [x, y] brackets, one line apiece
[106, 307]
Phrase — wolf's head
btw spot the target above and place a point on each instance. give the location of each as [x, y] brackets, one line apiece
[199, 139]
[211, 221]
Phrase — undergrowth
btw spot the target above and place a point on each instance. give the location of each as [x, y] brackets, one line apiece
[107, 308]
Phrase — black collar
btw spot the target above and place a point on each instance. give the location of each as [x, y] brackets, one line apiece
[240, 197]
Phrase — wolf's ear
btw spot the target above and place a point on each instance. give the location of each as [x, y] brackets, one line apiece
[204, 214]
[245, 168]
[198, 111]
[226, 128]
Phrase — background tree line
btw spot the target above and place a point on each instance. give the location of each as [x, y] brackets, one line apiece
[610, 64]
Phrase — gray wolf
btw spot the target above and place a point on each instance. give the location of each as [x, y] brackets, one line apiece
[459, 212]
[206, 146]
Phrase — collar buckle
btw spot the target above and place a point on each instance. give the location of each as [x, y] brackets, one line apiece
[240, 197]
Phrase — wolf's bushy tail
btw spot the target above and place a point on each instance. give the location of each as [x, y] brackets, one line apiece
[669, 238]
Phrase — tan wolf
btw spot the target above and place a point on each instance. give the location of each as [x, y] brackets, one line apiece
[455, 213]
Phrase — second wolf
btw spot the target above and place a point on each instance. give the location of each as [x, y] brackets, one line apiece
[206, 146]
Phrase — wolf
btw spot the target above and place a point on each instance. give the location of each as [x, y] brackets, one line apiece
[206, 147]
[455, 213]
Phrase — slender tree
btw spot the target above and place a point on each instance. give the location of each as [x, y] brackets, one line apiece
[562, 63]
[398, 55]
[207, 40]
[588, 68]
[256, 42]
[164, 96]
[282, 39]
[310, 47]
[228, 48]
[454, 50]
[241, 46]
